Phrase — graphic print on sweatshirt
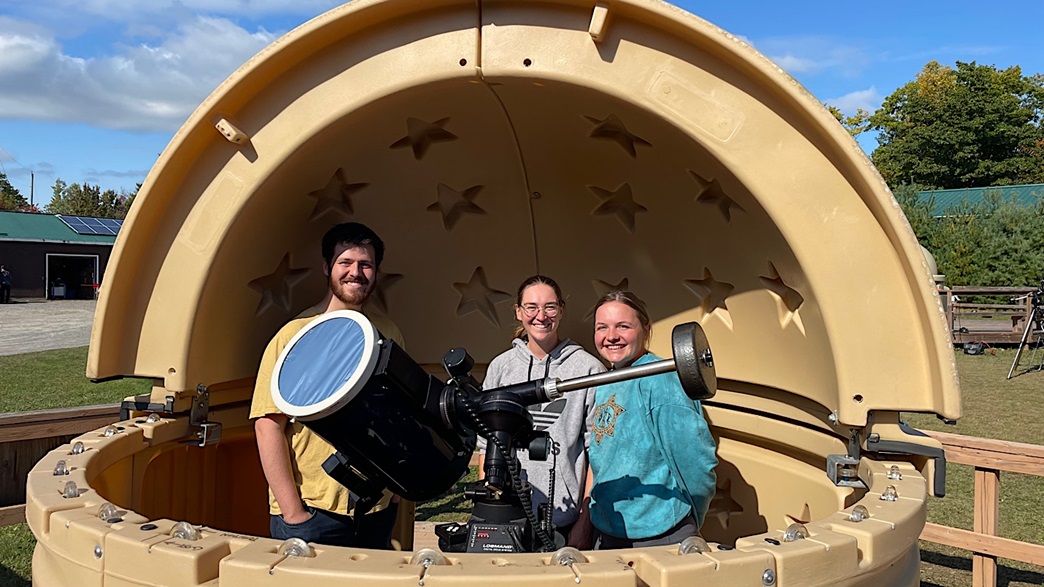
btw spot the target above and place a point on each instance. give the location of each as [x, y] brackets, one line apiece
[545, 416]
[605, 418]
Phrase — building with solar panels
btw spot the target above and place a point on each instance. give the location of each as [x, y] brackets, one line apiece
[56, 257]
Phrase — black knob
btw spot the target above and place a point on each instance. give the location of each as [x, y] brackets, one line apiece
[457, 362]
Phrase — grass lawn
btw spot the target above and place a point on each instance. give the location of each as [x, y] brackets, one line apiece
[993, 408]
[55, 379]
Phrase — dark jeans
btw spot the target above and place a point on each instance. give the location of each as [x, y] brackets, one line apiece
[5, 294]
[682, 530]
[372, 531]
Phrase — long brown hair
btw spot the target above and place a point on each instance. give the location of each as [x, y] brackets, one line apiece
[520, 331]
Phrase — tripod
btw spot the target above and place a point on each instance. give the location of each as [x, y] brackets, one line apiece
[1034, 322]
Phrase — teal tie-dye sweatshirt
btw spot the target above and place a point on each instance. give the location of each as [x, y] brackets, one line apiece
[651, 454]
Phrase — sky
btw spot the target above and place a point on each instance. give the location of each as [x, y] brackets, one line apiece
[91, 91]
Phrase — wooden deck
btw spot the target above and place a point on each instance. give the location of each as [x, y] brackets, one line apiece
[994, 324]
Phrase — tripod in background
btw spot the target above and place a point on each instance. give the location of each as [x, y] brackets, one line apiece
[1035, 323]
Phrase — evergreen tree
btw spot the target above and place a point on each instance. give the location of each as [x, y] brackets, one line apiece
[85, 200]
[10, 197]
[996, 242]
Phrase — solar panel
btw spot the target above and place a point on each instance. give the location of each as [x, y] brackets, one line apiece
[91, 225]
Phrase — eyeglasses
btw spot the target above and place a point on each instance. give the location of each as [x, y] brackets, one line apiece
[550, 310]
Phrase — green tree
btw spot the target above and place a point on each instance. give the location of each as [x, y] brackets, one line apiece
[969, 126]
[856, 124]
[126, 200]
[84, 200]
[996, 241]
[10, 197]
[1011, 252]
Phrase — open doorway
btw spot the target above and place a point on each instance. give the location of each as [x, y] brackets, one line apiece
[71, 276]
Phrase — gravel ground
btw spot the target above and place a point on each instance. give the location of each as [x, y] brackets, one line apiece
[28, 327]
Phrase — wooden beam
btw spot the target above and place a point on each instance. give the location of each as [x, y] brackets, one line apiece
[986, 453]
[989, 444]
[12, 514]
[987, 504]
[992, 545]
[989, 289]
[58, 422]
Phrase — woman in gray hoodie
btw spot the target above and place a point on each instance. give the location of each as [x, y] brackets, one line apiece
[537, 352]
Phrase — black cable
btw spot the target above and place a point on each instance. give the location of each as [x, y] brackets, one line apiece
[516, 481]
[549, 516]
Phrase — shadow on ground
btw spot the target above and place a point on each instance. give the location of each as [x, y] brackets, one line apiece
[9, 578]
[1005, 575]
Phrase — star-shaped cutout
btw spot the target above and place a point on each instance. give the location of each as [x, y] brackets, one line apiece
[722, 506]
[477, 296]
[384, 282]
[619, 203]
[710, 192]
[613, 129]
[453, 204]
[336, 197]
[712, 294]
[420, 135]
[789, 300]
[276, 288]
[601, 288]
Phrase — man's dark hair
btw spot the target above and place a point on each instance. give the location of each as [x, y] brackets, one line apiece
[352, 234]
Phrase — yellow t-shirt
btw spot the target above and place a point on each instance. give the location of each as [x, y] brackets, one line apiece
[308, 450]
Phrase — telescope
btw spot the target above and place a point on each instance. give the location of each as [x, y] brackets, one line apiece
[1034, 323]
[396, 427]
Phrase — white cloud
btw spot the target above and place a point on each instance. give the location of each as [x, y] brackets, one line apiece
[793, 64]
[868, 99]
[134, 173]
[816, 54]
[141, 87]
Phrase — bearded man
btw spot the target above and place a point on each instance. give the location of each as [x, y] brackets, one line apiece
[304, 501]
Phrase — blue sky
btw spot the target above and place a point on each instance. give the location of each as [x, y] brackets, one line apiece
[92, 90]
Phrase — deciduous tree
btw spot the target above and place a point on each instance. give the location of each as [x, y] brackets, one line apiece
[855, 124]
[969, 126]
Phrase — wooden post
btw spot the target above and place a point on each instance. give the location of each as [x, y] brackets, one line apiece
[987, 504]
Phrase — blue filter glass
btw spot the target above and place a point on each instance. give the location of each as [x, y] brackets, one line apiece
[321, 362]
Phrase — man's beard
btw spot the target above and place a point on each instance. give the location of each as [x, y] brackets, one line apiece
[351, 296]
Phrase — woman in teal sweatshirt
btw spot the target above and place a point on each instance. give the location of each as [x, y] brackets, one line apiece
[651, 451]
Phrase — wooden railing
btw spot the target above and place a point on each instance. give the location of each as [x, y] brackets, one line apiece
[992, 323]
[989, 457]
[25, 437]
